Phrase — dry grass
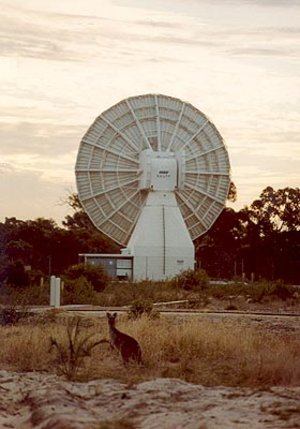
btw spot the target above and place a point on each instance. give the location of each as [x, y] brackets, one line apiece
[202, 351]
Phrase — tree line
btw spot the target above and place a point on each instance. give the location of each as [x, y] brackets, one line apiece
[259, 241]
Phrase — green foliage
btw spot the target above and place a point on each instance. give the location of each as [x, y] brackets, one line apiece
[191, 280]
[78, 291]
[95, 275]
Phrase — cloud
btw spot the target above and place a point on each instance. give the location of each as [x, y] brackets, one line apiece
[264, 52]
[78, 38]
[24, 193]
[35, 41]
[48, 35]
[48, 140]
[5, 168]
[272, 3]
[46, 152]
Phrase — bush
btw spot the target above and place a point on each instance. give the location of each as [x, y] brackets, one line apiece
[258, 291]
[191, 280]
[140, 307]
[95, 275]
[79, 291]
[281, 290]
[272, 290]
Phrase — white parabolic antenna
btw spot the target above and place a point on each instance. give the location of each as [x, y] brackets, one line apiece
[153, 174]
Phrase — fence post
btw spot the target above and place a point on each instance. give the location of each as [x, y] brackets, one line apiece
[57, 292]
[54, 291]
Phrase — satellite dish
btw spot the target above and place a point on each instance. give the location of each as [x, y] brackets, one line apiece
[152, 173]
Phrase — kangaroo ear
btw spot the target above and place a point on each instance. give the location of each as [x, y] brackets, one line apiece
[115, 315]
[108, 315]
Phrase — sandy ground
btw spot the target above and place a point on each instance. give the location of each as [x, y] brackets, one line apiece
[43, 401]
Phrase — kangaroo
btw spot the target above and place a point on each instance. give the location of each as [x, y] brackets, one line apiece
[126, 345]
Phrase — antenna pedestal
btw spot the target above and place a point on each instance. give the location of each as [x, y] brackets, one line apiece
[160, 243]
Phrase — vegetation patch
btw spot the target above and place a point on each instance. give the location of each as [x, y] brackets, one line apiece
[209, 352]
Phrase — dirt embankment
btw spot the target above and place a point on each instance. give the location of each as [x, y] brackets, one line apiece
[43, 401]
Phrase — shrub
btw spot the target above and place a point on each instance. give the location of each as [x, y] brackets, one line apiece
[281, 290]
[79, 291]
[258, 291]
[140, 307]
[95, 275]
[191, 280]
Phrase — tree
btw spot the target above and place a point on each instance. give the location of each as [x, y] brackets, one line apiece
[272, 234]
[16, 274]
[232, 193]
[276, 210]
[263, 239]
[218, 249]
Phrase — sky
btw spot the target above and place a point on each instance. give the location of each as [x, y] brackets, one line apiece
[62, 63]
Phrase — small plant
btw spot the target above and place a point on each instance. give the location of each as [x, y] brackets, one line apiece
[141, 307]
[71, 356]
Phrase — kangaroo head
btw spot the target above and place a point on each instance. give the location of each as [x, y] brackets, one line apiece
[111, 319]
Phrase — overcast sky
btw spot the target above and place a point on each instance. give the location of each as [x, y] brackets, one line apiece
[63, 62]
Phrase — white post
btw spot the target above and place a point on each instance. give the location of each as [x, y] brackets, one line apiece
[57, 292]
[52, 290]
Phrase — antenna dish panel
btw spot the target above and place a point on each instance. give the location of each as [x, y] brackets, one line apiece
[123, 149]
